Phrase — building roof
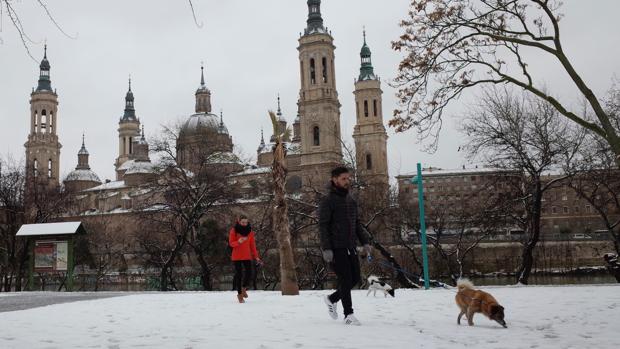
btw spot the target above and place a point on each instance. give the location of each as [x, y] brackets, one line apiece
[109, 186]
[202, 122]
[141, 167]
[82, 175]
[63, 228]
[435, 171]
[251, 171]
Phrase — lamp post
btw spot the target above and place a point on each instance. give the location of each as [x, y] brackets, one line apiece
[418, 180]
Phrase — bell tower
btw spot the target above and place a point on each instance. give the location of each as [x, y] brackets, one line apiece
[128, 131]
[369, 133]
[319, 107]
[42, 146]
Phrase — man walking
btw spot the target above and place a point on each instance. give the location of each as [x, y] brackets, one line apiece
[339, 227]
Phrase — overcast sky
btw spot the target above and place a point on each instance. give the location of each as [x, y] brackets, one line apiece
[250, 55]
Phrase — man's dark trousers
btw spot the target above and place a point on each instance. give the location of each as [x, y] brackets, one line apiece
[347, 268]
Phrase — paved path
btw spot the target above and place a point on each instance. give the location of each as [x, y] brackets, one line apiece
[27, 300]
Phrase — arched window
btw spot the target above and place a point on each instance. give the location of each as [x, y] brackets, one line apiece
[368, 162]
[316, 133]
[301, 68]
[324, 63]
[365, 108]
[312, 72]
[124, 146]
[130, 145]
[51, 122]
[49, 168]
[35, 168]
[314, 9]
[374, 107]
[43, 120]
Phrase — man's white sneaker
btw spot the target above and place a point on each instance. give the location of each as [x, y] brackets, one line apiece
[332, 308]
[351, 320]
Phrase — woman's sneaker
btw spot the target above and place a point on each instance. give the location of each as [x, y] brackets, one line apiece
[332, 308]
[351, 320]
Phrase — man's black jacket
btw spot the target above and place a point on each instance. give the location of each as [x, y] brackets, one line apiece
[339, 224]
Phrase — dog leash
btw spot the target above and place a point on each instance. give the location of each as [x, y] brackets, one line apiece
[406, 272]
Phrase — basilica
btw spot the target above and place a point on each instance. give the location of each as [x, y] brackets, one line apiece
[314, 147]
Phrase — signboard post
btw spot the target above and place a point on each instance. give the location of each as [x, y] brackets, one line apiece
[419, 181]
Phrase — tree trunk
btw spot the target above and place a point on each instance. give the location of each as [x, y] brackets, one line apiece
[527, 256]
[163, 278]
[205, 272]
[288, 273]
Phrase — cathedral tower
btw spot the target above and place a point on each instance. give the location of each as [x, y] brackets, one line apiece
[369, 133]
[42, 146]
[128, 131]
[319, 108]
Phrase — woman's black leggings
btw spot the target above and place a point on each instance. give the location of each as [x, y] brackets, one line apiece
[247, 276]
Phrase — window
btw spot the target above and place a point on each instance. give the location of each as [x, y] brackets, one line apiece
[35, 168]
[314, 9]
[366, 108]
[124, 145]
[324, 64]
[564, 197]
[301, 68]
[312, 72]
[130, 145]
[588, 209]
[565, 209]
[316, 133]
[51, 122]
[543, 210]
[49, 168]
[576, 209]
[374, 107]
[357, 108]
[368, 162]
[43, 120]
[554, 209]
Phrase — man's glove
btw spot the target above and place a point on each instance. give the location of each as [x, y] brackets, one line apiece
[328, 256]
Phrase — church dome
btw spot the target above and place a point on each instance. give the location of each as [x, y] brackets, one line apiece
[203, 123]
[82, 175]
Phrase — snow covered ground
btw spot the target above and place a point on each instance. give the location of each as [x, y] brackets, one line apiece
[538, 317]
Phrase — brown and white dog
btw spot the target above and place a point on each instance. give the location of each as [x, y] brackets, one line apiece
[471, 301]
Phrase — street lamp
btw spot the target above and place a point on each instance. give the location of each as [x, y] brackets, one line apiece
[418, 180]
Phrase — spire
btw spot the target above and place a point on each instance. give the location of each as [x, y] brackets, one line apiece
[45, 84]
[130, 112]
[83, 157]
[366, 69]
[203, 95]
[202, 75]
[83, 150]
[279, 109]
[222, 129]
[142, 136]
[261, 146]
[315, 21]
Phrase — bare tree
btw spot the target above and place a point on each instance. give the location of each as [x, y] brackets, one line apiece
[103, 247]
[13, 251]
[517, 132]
[181, 201]
[453, 45]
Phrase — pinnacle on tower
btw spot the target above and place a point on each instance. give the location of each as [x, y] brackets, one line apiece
[83, 150]
[315, 21]
[366, 69]
[130, 112]
[83, 157]
[45, 84]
